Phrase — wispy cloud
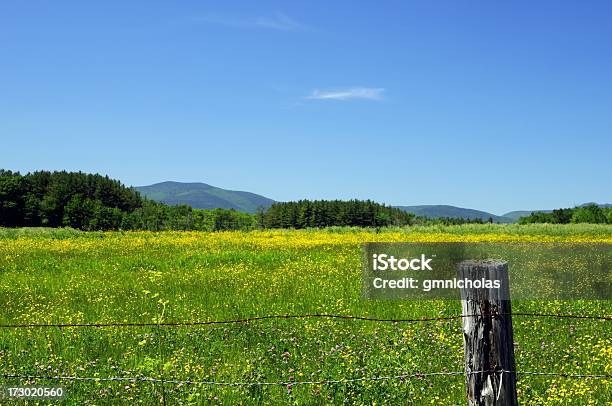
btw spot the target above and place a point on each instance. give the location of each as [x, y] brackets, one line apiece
[277, 21]
[280, 21]
[367, 93]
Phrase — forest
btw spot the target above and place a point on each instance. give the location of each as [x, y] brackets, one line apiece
[95, 202]
[590, 213]
[322, 213]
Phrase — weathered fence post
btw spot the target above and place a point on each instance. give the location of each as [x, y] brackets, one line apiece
[487, 335]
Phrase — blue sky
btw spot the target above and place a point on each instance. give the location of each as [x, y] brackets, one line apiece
[495, 106]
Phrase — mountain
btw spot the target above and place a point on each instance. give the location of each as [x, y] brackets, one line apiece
[515, 215]
[435, 211]
[203, 196]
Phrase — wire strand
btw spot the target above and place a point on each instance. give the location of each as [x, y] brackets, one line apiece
[294, 316]
[418, 375]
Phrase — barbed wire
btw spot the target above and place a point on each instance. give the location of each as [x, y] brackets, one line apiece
[418, 375]
[296, 316]
[559, 316]
[254, 383]
[562, 374]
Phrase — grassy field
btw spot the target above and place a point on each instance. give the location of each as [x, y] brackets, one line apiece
[65, 276]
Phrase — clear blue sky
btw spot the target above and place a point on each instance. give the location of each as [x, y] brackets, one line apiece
[489, 105]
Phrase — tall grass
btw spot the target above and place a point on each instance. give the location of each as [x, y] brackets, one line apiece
[66, 276]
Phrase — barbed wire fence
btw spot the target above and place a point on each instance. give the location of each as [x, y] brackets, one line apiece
[291, 383]
[296, 316]
[417, 375]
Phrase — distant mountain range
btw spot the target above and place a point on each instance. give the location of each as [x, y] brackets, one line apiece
[204, 196]
[436, 211]
[515, 215]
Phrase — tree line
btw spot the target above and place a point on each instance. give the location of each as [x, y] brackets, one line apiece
[95, 202]
[590, 213]
[324, 213]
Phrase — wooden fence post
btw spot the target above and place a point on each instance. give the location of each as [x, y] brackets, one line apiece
[487, 335]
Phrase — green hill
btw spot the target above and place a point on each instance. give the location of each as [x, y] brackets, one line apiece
[437, 211]
[515, 215]
[203, 196]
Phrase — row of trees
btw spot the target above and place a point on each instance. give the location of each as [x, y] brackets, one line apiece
[154, 216]
[449, 221]
[325, 213]
[590, 213]
[95, 202]
[55, 199]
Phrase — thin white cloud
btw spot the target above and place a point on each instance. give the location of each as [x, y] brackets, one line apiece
[367, 93]
[280, 21]
[277, 21]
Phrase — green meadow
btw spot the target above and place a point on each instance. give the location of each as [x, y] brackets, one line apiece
[69, 277]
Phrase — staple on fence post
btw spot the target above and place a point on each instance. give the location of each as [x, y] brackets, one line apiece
[487, 335]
